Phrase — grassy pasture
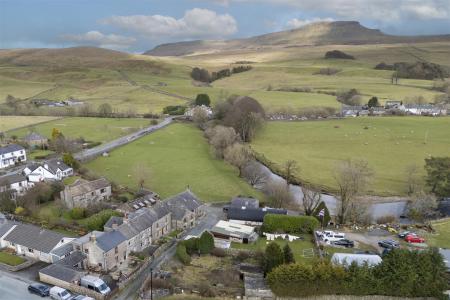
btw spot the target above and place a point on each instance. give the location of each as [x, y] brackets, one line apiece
[175, 157]
[12, 122]
[389, 145]
[442, 236]
[92, 129]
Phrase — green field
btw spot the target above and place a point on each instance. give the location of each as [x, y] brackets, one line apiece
[11, 122]
[297, 247]
[91, 129]
[441, 238]
[174, 158]
[389, 144]
[10, 259]
[95, 78]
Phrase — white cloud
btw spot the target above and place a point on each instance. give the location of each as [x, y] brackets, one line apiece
[383, 11]
[196, 23]
[297, 23]
[97, 38]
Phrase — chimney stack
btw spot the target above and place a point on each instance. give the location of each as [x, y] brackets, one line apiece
[93, 238]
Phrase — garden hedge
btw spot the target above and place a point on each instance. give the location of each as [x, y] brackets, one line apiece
[289, 224]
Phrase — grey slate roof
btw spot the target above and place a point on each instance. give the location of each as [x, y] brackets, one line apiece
[10, 148]
[113, 220]
[81, 187]
[63, 272]
[34, 237]
[55, 164]
[245, 202]
[10, 179]
[63, 250]
[178, 204]
[34, 136]
[5, 226]
[252, 214]
[110, 240]
[73, 259]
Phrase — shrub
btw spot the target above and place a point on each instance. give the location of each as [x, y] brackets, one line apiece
[19, 210]
[202, 99]
[273, 257]
[78, 213]
[338, 54]
[97, 221]
[174, 110]
[182, 254]
[289, 224]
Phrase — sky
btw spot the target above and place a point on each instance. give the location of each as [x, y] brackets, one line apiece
[139, 25]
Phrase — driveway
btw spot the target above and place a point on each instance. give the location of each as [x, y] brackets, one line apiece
[14, 287]
[213, 215]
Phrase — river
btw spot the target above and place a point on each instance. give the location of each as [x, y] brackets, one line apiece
[375, 210]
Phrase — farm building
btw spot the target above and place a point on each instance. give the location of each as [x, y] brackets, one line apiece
[224, 230]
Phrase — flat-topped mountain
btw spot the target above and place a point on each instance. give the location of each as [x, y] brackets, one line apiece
[322, 33]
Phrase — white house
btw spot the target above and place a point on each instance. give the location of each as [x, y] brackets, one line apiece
[11, 155]
[425, 109]
[51, 170]
[33, 241]
[16, 184]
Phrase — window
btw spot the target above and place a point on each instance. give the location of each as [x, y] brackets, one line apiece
[30, 250]
[103, 190]
[86, 251]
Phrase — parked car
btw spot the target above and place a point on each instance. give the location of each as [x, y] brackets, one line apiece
[59, 293]
[403, 234]
[81, 297]
[390, 244]
[414, 238]
[333, 237]
[95, 284]
[39, 289]
[344, 242]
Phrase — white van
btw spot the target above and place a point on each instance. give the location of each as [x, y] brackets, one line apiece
[58, 293]
[95, 284]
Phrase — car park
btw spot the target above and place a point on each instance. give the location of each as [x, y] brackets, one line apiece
[389, 244]
[414, 238]
[345, 243]
[39, 289]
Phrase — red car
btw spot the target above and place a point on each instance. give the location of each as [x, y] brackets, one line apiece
[412, 238]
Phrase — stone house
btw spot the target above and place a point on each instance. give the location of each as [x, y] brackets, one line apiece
[142, 227]
[35, 140]
[83, 193]
[186, 209]
[12, 154]
[104, 251]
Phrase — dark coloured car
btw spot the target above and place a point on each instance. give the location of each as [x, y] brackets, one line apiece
[344, 242]
[39, 289]
[403, 234]
[389, 244]
[386, 251]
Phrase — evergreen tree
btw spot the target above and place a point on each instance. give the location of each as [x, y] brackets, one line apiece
[202, 99]
[273, 257]
[288, 255]
[205, 243]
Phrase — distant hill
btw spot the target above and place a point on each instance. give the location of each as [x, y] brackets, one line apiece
[322, 33]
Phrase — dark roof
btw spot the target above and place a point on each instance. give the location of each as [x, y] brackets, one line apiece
[10, 148]
[245, 202]
[178, 204]
[5, 226]
[110, 240]
[252, 214]
[81, 186]
[10, 179]
[73, 259]
[34, 136]
[34, 237]
[63, 250]
[113, 220]
[63, 272]
[54, 165]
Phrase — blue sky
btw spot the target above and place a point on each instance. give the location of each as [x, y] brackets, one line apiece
[139, 25]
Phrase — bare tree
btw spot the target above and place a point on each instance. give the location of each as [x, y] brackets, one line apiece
[311, 200]
[290, 169]
[279, 195]
[221, 137]
[413, 179]
[142, 174]
[199, 116]
[238, 155]
[422, 206]
[352, 177]
[254, 174]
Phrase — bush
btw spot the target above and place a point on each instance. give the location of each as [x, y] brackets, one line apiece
[19, 210]
[97, 221]
[182, 254]
[218, 252]
[205, 243]
[174, 110]
[289, 224]
[338, 54]
[78, 213]
[202, 99]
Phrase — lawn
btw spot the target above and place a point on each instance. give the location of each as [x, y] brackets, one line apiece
[10, 259]
[91, 129]
[389, 144]
[12, 122]
[297, 247]
[171, 160]
[39, 154]
[442, 236]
